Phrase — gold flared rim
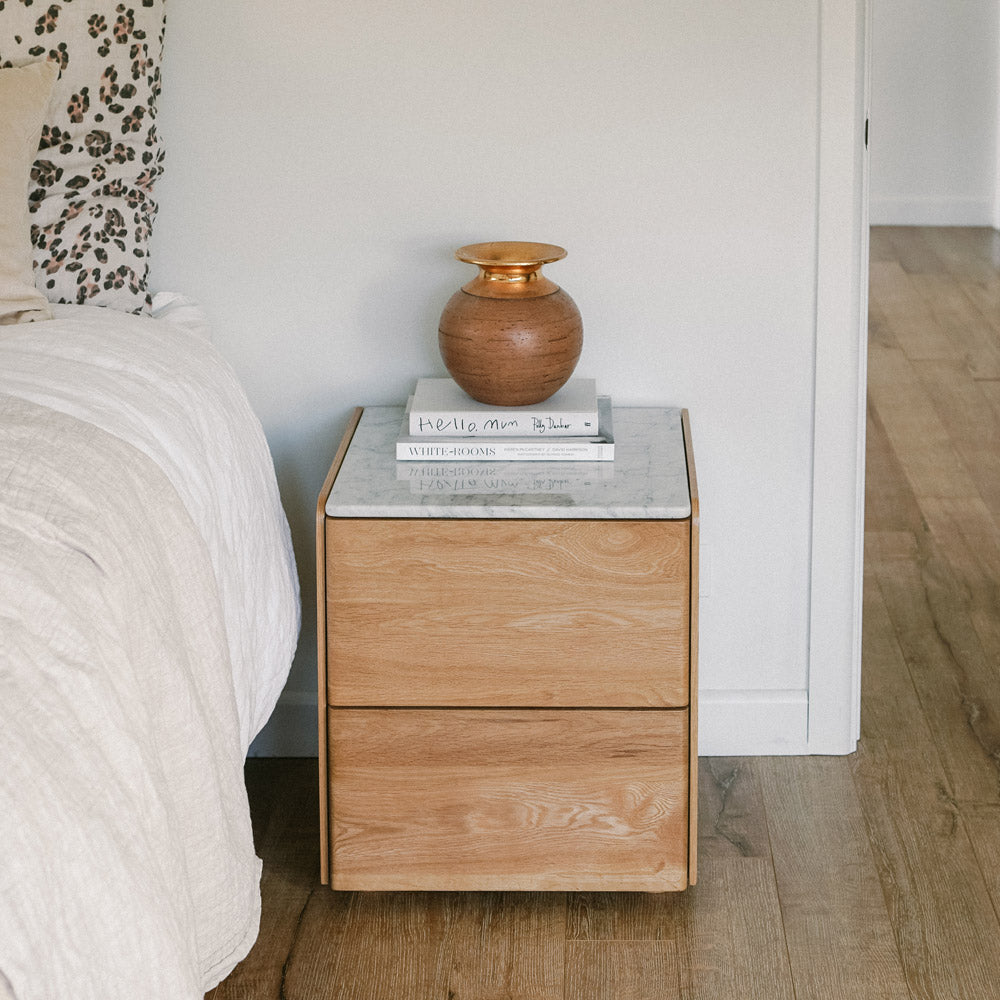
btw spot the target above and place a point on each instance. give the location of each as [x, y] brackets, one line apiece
[510, 254]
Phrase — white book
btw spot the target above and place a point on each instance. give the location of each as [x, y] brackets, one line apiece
[599, 448]
[441, 408]
[496, 478]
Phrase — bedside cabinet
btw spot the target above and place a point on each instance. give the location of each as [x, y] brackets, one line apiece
[507, 665]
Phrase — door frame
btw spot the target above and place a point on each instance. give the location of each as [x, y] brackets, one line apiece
[840, 388]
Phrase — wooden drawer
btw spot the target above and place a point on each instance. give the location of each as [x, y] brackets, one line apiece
[509, 799]
[507, 612]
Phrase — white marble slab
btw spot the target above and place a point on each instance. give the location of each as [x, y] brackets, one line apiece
[646, 480]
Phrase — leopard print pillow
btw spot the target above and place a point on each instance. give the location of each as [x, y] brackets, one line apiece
[91, 188]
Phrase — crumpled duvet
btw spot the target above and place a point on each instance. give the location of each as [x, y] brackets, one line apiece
[148, 615]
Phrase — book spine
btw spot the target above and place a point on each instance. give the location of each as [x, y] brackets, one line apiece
[505, 451]
[567, 424]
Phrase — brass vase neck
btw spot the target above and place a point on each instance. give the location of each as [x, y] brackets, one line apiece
[510, 270]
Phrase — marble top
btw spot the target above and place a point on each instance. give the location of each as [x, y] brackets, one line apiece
[647, 479]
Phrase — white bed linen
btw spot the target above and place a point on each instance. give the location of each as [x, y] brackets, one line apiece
[148, 615]
[160, 385]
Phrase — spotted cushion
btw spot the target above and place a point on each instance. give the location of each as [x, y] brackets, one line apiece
[91, 187]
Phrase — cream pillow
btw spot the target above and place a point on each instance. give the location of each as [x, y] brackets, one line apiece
[24, 101]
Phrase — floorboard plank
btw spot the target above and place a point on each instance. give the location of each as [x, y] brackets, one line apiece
[395, 945]
[939, 907]
[983, 824]
[621, 970]
[731, 940]
[967, 416]
[967, 531]
[900, 400]
[890, 504]
[311, 967]
[914, 249]
[623, 916]
[966, 252]
[955, 315]
[938, 901]
[881, 248]
[839, 938]
[731, 820]
[985, 296]
[957, 685]
[905, 317]
[510, 946]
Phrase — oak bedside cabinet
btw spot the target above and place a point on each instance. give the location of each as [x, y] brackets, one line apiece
[507, 665]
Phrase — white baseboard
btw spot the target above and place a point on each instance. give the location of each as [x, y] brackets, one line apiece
[932, 212]
[753, 723]
[730, 724]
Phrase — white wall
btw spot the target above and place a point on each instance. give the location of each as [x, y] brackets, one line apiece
[324, 164]
[934, 112]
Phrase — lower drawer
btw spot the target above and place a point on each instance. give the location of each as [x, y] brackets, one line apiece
[516, 799]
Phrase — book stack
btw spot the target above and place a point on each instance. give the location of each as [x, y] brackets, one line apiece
[443, 424]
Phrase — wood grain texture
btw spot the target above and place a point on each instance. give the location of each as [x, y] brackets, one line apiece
[967, 531]
[938, 903]
[955, 680]
[730, 935]
[723, 937]
[350, 946]
[934, 469]
[510, 944]
[510, 351]
[623, 916]
[731, 822]
[890, 504]
[732, 825]
[939, 908]
[463, 946]
[720, 939]
[927, 772]
[321, 643]
[982, 823]
[837, 930]
[621, 970]
[507, 799]
[508, 612]
[897, 294]
[967, 416]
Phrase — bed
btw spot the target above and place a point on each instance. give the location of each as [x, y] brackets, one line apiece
[149, 604]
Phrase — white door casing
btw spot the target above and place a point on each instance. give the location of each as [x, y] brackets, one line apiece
[841, 379]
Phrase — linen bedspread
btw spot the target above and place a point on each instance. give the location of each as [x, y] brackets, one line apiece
[148, 614]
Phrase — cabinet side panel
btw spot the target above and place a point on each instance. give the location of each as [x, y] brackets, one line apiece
[508, 613]
[321, 643]
[693, 658]
[509, 800]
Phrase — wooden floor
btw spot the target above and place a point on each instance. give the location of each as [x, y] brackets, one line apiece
[870, 876]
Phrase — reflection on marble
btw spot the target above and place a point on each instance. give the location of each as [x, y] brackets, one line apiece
[647, 479]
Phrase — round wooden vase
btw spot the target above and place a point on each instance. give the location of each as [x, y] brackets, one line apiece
[511, 336]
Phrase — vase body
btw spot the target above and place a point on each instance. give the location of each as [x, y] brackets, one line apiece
[510, 337]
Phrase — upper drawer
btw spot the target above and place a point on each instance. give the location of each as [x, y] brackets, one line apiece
[508, 613]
